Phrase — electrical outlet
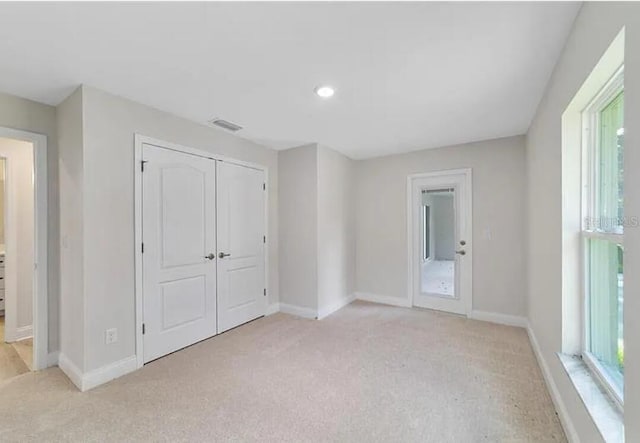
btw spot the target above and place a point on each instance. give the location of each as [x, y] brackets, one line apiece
[111, 336]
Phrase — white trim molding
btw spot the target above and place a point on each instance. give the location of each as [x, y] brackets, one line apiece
[272, 309]
[501, 319]
[23, 333]
[308, 312]
[383, 299]
[109, 372]
[561, 409]
[97, 377]
[70, 370]
[298, 311]
[327, 311]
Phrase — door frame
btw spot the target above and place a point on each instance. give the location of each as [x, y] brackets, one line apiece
[139, 141]
[40, 316]
[467, 203]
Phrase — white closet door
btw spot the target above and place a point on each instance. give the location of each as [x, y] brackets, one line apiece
[179, 235]
[241, 247]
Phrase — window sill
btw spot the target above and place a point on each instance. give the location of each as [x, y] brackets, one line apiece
[604, 412]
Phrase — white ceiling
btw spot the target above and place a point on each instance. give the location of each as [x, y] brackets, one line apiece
[407, 75]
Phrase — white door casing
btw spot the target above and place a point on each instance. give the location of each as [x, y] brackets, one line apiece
[241, 245]
[179, 240]
[461, 181]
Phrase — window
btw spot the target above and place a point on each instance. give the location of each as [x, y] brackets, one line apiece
[426, 217]
[603, 235]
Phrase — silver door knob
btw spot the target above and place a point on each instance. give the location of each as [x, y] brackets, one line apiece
[461, 252]
[223, 255]
[210, 256]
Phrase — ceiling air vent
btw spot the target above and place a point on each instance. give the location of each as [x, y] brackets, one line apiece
[226, 125]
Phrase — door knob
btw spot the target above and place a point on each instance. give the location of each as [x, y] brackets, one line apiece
[461, 252]
[211, 256]
[223, 255]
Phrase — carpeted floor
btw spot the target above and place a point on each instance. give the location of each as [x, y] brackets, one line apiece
[367, 373]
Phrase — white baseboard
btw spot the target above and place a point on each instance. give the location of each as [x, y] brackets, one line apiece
[563, 414]
[502, 319]
[493, 317]
[298, 311]
[22, 333]
[97, 377]
[272, 309]
[70, 370]
[325, 312]
[383, 299]
[307, 312]
[53, 358]
[109, 372]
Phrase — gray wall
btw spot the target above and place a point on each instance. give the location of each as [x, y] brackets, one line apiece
[498, 220]
[595, 28]
[336, 228]
[317, 243]
[72, 299]
[109, 125]
[26, 115]
[298, 215]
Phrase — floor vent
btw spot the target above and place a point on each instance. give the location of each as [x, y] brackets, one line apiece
[226, 125]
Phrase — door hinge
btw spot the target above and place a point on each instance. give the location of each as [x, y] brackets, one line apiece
[143, 329]
[142, 165]
[142, 248]
[265, 292]
[264, 186]
[264, 239]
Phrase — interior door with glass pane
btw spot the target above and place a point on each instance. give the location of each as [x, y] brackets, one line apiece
[441, 241]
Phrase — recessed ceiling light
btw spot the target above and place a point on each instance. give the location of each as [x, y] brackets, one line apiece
[324, 91]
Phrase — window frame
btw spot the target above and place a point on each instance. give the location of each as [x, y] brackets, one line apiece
[590, 119]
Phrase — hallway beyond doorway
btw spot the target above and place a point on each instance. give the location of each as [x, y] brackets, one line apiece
[15, 358]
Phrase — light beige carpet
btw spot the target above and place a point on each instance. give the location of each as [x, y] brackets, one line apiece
[367, 373]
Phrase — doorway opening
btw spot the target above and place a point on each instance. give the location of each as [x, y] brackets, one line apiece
[439, 215]
[23, 253]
